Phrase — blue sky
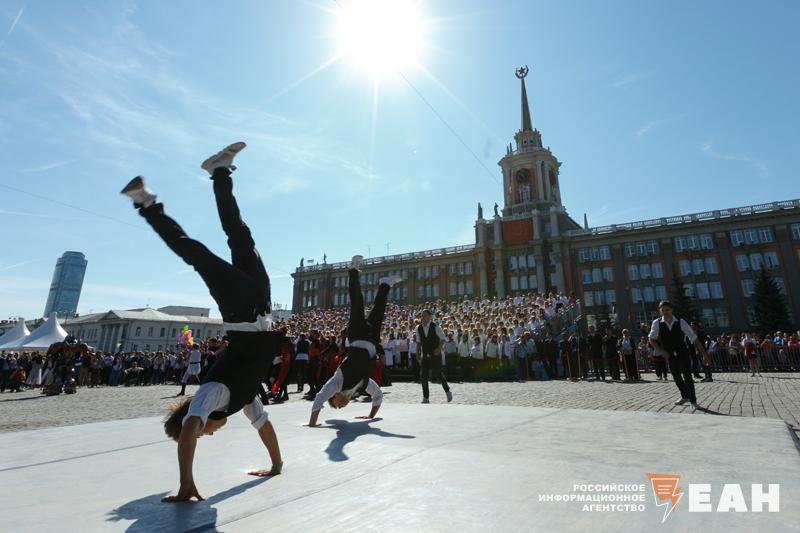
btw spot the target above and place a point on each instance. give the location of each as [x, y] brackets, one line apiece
[654, 109]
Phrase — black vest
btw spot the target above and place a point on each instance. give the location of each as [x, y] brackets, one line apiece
[245, 363]
[356, 368]
[673, 341]
[430, 341]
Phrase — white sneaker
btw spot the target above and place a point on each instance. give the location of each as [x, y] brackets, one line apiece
[449, 396]
[223, 158]
[391, 281]
[356, 261]
[136, 191]
[681, 401]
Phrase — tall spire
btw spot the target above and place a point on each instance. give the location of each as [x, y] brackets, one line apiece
[526, 112]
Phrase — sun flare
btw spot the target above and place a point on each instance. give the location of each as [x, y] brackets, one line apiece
[380, 36]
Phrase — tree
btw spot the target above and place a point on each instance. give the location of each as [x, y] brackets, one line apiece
[769, 305]
[682, 304]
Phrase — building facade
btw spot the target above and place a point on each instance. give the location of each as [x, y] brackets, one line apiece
[623, 270]
[65, 288]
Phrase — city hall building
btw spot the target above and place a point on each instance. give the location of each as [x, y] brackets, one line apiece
[533, 244]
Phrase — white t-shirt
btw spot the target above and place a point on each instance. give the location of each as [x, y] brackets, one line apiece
[214, 396]
[334, 385]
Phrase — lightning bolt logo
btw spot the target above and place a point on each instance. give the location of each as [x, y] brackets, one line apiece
[665, 490]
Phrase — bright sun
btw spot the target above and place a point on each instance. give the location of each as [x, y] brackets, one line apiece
[380, 36]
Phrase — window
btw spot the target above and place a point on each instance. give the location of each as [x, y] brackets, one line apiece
[608, 275]
[722, 317]
[703, 291]
[586, 276]
[469, 288]
[521, 262]
[653, 248]
[636, 295]
[657, 271]
[693, 242]
[765, 234]
[435, 271]
[742, 263]
[453, 288]
[149, 332]
[531, 263]
[711, 265]
[630, 249]
[661, 292]
[756, 261]
[421, 292]
[685, 267]
[514, 283]
[708, 318]
[715, 289]
[748, 287]
[644, 271]
[680, 244]
[611, 297]
[533, 283]
[641, 249]
[706, 241]
[597, 275]
[633, 272]
[737, 238]
[512, 263]
[648, 294]
[795, 231]
[523, 283]
[771, 260]
[698, 266]
[781, 285]
[605, 253]
[138, 332]
[688, 290]
[163, 332]
[588, 297]
[750, 236]
[583, 255]
[599, 297]
[174, 332]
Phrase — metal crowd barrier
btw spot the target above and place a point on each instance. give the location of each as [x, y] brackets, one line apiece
[727, 359]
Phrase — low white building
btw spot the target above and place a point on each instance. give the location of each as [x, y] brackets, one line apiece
[141, 329]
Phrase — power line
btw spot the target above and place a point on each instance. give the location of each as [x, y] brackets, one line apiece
[449, 127]
[75, 207]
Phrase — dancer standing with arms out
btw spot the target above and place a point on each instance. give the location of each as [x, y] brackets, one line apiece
[241, 289]
[669, 333]
[429, 340]
[364, 335]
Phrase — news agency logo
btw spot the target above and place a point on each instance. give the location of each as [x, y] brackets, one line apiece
[667, 494]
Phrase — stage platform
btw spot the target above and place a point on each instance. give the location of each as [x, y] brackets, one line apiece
[421, 468]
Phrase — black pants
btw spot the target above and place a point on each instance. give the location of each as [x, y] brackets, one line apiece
[430, 364]
[696, 364]
[681, 368]
[661, 367]
[707, 372]
[369, 328]
[613, 366]
[630, 367]
[240, 288]
[313, 366]
[599, 368]
[300, 367]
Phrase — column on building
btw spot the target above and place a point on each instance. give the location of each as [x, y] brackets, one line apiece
[537, 225]
[541, 266]
[500, 284]
[554, 230]
[540, 180]
[548, 192]
[559, 262]
[621, 292]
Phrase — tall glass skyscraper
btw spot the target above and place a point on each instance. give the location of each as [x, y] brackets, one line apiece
[65, 289]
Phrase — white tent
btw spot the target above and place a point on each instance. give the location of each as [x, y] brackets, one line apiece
[19, 331]
[41, 338]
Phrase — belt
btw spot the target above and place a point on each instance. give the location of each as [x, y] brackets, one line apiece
[262, 323]
[365, 345]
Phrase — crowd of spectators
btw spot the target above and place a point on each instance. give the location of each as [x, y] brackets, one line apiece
[532, 336]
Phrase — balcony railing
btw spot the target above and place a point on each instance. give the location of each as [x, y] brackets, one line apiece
[375, 261]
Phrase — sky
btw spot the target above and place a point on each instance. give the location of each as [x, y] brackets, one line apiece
[653, 108]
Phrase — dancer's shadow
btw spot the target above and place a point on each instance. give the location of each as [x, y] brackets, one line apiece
[347, 432]
[150, 514]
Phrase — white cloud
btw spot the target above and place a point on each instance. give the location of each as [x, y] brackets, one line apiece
[632, 78]
[708, 149]
[648, 127]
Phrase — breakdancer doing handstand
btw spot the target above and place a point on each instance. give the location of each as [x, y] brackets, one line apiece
[364, 335]
[241, 289]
